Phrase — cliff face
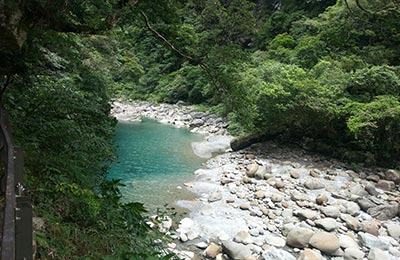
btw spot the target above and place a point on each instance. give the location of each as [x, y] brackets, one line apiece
[12, 33]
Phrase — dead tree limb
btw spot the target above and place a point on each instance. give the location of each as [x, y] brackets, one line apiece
[165, 40]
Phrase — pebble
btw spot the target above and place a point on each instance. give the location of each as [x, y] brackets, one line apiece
[212, 251]
[321, 199]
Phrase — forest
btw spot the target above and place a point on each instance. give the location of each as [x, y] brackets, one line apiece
[322, 74]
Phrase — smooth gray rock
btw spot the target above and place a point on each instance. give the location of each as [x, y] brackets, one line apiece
[346, 241]
[384, 212]
[273, 253]
[393, 230]
[352, 208]
[372, 241]
[329, 224]
[365, 203]
[299, 237]
[385, 185]
[236, 251]
[353, 254]
[306, 214]
[351, 222]
[393, 175]
[314, 184]
[197, 123]
[216, 196]
[330, 211]
[377, 254]
[243, 237]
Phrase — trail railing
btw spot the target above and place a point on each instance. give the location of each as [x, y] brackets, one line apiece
[16, 237]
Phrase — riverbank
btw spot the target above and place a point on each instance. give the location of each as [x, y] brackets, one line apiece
[278, 203]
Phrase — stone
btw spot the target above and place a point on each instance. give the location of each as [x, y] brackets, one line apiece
[313, 184]
[377, 254]
[244, 206]
[197, 122]
[243, 237]
[351, 222]
[299, 237]
[393, 230]
[276, 241]
[353, 254]
[365, 203]
[298, 196]
[329, 224]
[385, 185]
[212, 251]
[201, 245]
[183, 237]
[275, 197]
[186, 223]
[252, 169]
[374, 178]
[294, 175]
[39, 224]
[273, 253]
[346, 241]
[216, 196]
[279, 185]
[321, 199]
[352, 208]
[306, 214]
[315, 173]
[371, 190]
[236, 251]
[371, 227]
[226, 181]
[372, 241]
[384, 212]
[358, 191]
[309, 254]
[259, 194]
[393, 175]
[325, 242]
[192, 235]
[263, 172]
[330, 211]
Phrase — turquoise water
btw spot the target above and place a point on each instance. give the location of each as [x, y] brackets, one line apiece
[153, 160]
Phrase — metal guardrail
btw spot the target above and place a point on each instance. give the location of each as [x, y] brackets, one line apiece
[16, 240]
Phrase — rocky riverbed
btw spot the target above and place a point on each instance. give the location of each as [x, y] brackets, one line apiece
[279, 203]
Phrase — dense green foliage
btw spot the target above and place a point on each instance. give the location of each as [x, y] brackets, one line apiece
[312, 71]
[324, 74]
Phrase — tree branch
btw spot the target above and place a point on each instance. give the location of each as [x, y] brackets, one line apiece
[159, 35]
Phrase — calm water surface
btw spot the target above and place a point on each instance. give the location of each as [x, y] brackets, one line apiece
[153, 159]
